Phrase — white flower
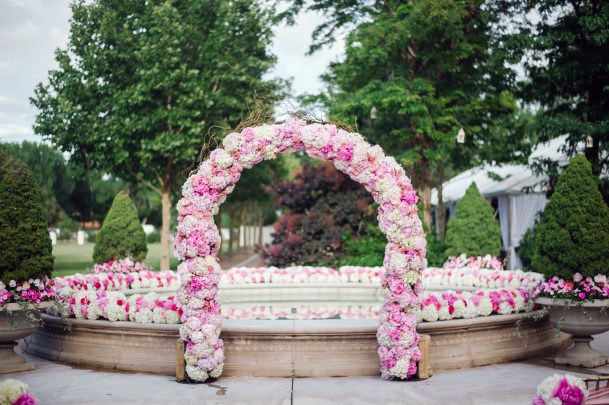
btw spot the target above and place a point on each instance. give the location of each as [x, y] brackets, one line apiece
[196, 373]
[233, 142]
[266, 132]
[223, 159]
[10, 390]
[429, 313]
[271, 152]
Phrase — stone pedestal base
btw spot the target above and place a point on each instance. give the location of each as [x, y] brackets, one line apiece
[581, 354]
[11, 362]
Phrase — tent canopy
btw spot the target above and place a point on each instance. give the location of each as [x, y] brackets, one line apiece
[519, 192]
[493, 180]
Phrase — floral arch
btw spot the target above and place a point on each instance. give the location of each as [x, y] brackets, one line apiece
[198, 240]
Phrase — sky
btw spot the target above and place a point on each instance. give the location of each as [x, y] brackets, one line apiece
[31, 31]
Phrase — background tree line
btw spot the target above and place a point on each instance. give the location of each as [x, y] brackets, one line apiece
[143, 91]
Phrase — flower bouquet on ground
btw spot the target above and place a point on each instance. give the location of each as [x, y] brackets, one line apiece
[14, 392]
[561, 390]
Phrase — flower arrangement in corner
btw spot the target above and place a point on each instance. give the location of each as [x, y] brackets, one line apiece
[28, 292]
[197, 238]
[14, 392]
[579, 290]
[561, 390]
[573, 237]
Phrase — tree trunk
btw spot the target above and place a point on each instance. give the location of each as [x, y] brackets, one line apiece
[441, 208]
[425, 192]
[421, 178]
[239, 222]
[166, 217]
[246, 230]
[260, 227]
[231, 239]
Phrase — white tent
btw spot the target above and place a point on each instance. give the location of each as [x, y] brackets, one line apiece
[517, 190]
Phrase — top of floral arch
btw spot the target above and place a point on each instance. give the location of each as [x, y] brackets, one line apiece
[367, 164]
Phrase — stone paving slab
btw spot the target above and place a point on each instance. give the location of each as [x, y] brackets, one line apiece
[513, 383]
[60, 384]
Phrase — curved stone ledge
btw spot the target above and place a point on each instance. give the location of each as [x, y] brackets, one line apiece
[286, 348]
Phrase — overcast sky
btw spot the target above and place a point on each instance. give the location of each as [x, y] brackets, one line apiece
[31, 30]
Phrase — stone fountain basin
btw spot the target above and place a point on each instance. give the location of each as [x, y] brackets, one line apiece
[292, 348]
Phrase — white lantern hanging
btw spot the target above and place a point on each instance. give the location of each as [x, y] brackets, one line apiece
[589, 142]
[461, 136]
[373, 112]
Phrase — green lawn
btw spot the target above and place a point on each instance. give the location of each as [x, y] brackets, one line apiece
[71, 258]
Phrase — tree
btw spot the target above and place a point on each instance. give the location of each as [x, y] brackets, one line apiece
[51, 173]
[473, 230]
[321, 206]
[92, 196]
[566, 58]
[121, 235]
[413, 75]
[143, 87]
[25, 245]
[573, 235]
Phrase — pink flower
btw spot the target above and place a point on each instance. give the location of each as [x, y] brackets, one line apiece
[345, 152]
[568, 394]
[26, 399]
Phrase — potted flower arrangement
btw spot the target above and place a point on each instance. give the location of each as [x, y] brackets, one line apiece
[572, 253]
[26, 261]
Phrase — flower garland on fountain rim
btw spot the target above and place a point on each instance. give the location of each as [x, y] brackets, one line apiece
[197, 238]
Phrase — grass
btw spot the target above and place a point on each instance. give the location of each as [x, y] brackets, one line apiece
[71, 258]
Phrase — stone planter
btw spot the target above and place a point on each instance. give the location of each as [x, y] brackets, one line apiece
[11, 362]
[582, 321]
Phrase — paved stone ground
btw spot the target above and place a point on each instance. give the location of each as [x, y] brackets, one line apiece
[512, 383]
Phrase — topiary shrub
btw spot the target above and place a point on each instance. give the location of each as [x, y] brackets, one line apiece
[573, 236]
[474, 230]
[25, 245]
[121, 234]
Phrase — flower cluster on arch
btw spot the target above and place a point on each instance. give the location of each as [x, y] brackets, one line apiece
[198, 240]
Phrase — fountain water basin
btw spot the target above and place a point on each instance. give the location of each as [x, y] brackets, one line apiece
[342, 344]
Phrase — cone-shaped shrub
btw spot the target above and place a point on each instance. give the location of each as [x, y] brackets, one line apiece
[573, 236]
[121, 235]
[473, 230]
[25, 245]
